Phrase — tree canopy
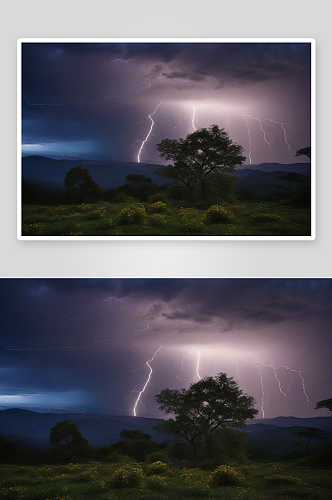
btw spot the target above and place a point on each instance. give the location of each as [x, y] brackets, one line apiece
[205, 153]
[207, 407]
[325, 403]
[304, 152]
[67, 442]
[311, 433]
[291, 177]
[80, 185]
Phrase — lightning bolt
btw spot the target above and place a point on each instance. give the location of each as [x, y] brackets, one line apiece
[249, 137]
[277, 379]
[193, 119]
[257, 364]
[180, 117]
[263, 392]
[147, 363]
[182, 364]
[282, 125]
[197, 365]
[149, 133]
[302, 380]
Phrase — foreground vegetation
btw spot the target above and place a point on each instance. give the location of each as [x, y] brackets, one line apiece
[164, 219]
[96, 480]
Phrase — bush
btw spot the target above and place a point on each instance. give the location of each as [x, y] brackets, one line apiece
[133, 214]
[86, 476]
[158, 207]
[260, 217]
[130, 475]
[217, 214]
[156, 484]
[278, 480]
[114, 457]
[195, 491]
[96, 214]
[158, 197]
[156, 456]
[119, 198]
[189, 227]
[157, 220]
[225, 476]
[125, 459]
[155, 468]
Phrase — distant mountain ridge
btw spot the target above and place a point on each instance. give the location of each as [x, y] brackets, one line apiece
[48, 173]
[32, 429]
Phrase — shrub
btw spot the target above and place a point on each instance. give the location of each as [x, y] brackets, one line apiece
[158, 207]
[130, 475]
[132, 214]
[217, 214]
[158, 197]
[96, 214]
[32, 229]
[187, 213]
[125, 459]
[156, 468]
[156, 484]
[119, 198]
[278, 480]
[86, 476]
[188, 227]
[225, 476]
[156, 456]
[113, 457]
[260, 217]
[157, 220]
[195, 491]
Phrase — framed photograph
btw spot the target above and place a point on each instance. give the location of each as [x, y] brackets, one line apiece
[166, 139]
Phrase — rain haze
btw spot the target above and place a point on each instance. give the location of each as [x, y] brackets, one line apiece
[116, 101]
[111, 345]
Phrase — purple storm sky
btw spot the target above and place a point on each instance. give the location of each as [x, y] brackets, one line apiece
[84, 343]
[94, 99]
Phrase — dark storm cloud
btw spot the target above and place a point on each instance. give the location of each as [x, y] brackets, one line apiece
[237, 301]
[188, 315]
[184, 75]
[239, 304]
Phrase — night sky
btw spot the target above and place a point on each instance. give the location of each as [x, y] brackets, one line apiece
[93, 100]
[83, 344]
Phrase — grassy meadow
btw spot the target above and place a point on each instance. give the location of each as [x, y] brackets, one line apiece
[164, 219]
[100, 481]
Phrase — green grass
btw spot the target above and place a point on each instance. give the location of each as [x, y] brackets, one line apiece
[108, 219]
[94, 481]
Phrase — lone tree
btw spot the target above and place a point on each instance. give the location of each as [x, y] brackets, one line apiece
[80, 186]
[304, 152]
[205, 411]
[199, 158]
[325, 403]
[291, 177]
[310, 433]
[67, 442]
